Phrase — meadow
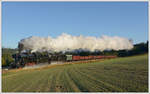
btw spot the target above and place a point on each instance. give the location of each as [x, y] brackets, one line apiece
[126, 74]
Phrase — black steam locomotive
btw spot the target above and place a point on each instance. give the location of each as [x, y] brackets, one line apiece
[27, 59]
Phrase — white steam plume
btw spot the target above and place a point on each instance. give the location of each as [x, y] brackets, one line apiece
[68, 42]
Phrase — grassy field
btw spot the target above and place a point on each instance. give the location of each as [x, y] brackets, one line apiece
[128, 74]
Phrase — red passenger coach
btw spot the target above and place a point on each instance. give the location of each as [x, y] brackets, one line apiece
[86, 57]
[75, 58]
[91, 57]
[100, 57]
[81, 57]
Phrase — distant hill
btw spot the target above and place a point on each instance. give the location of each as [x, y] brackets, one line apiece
[8, 51]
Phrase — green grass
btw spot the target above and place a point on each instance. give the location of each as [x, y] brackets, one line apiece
[128, 74]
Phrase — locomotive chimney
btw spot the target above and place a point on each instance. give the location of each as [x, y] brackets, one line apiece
[20, 47]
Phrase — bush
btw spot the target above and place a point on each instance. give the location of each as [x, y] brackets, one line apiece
[6, 60]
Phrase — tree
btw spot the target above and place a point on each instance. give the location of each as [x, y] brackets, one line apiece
[3, 62]
[6, 59]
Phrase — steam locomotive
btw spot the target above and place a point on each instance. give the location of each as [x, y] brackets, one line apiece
[28, 59]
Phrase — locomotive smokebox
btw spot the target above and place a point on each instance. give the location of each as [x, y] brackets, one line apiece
[20, 47]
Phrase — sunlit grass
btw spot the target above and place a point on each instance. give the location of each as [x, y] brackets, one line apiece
[128, 74]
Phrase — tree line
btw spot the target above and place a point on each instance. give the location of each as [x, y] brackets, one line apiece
[7, 56]
[140, 48]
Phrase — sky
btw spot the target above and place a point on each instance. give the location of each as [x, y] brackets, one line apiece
[24, 19]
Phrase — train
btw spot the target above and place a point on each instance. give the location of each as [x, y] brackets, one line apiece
[26, 57]
[29, 59]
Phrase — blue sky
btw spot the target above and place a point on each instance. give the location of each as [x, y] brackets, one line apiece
[24, 19]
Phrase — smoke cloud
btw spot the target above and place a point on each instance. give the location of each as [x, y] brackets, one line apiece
[66, 42]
